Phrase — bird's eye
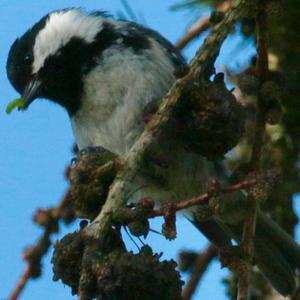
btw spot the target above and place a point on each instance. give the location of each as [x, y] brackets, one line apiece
[28, 59]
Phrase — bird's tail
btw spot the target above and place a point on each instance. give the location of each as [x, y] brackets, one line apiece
[277, 255]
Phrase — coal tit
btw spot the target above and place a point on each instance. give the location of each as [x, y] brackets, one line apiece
[105, 73]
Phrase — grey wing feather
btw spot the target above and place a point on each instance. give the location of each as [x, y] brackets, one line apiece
[181, 67]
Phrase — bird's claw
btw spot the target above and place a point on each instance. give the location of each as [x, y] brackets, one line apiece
[87, 150]
[92, 149]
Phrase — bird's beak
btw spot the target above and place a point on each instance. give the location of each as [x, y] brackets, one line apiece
[31, 92]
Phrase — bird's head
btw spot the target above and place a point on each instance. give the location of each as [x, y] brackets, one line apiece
[50, 59]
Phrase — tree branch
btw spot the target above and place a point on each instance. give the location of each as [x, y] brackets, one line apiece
[21, 284]
[49, 220]
[247, 242]
[200, 26]
[201, 67]
[205, 197]
[203, 260]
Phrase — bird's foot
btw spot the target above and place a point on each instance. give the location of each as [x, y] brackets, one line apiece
[88, 150]
[92, 149]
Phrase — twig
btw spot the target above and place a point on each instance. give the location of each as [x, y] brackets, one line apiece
[193, 32]
[33, 256]
[201, 67]
[201, 26]
[247, 242]
[203, 260]
[262, 70]
[21, 284]
[205, 197]
[49, 220]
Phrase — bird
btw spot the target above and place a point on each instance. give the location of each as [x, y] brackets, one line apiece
[106, 73]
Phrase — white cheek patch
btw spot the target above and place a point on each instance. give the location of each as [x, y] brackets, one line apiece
[60, 28]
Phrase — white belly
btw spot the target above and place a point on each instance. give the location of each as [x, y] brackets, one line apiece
[116, 93]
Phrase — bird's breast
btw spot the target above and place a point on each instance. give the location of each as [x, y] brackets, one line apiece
[115, 94]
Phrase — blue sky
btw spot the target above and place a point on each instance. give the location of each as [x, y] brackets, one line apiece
[36, 147]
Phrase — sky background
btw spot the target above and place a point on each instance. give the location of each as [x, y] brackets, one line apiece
[36, 148]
